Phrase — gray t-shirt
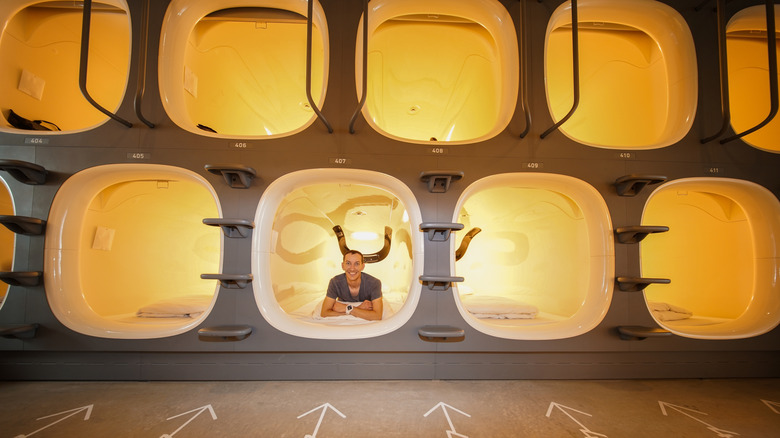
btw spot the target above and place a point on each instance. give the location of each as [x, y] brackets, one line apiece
[370, 288]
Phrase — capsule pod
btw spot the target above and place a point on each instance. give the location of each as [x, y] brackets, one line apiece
[721, 255]
[40, 55]
[637, 74]
[7, 237]
[238, 67]
[438, 70]
[306, 220]
[542, 266]
[748, 68]
[125, 247]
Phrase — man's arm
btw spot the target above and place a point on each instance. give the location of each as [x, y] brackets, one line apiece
[375, 314]
[331, 307]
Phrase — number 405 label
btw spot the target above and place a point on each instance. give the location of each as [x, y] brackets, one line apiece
[139, 156]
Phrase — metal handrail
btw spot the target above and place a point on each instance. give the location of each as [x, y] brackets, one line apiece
[575, 55]
[772, 55]
[524, 71]
[84, 60]
[723, 70]
[364, 71]
[143, 52]
[313, 105]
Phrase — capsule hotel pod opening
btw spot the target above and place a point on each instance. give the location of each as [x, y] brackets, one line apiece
[125, 246]
[296, 250]
[238, 67]
[438, 70]
[748, 74]
[7, 237]
[540, 260]
[721, 255]
[638, 77]
[39, 64]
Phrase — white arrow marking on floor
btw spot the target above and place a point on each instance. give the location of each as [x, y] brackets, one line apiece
[588, 433]
[72, 412]
[772, 405]
[721, 432]
[324, 408]
[444, 406]
[200, 411]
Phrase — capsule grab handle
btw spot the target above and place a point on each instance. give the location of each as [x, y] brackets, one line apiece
[439, 180]
[19, 278]
[236, 176]
[29, 226]
[638, 333]
[637, 284]
[24, 172]
[441, 333]
[439, 231]
[232, 227]
[436, 282]
[631, 185]
[635, 234]
[230, 281]
[225, 333]
[19, 331]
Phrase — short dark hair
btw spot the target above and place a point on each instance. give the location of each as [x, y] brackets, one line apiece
[354, 251]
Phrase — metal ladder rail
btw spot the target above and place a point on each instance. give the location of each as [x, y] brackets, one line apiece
[575, 54]
[142, 57]
[364, 71]
[524, 105]
[723, 73]
[309, 25]
[86, 23]
[771, 43]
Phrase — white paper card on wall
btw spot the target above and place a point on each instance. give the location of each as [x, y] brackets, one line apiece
[190, 81]
[104, 238]
[31, 84]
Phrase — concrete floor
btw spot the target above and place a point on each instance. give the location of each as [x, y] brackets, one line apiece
[447, 409]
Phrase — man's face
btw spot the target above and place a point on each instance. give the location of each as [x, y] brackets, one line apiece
[352, 266]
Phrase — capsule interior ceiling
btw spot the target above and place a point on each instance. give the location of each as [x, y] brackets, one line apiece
[307, 251]
[541, 244]
[720, 254]
[233, 73]
[7, 237]
[130, 238]
[748, 75]
[40, 53]
[301, 252]
[423, 87]
[637, 74]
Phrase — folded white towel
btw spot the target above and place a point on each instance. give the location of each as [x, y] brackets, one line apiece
[668, 312]
[496, 307]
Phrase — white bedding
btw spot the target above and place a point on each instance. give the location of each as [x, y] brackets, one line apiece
[187, 306]
[497, 307]
[311, 311]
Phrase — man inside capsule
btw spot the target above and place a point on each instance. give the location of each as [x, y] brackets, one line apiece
[353, 292]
